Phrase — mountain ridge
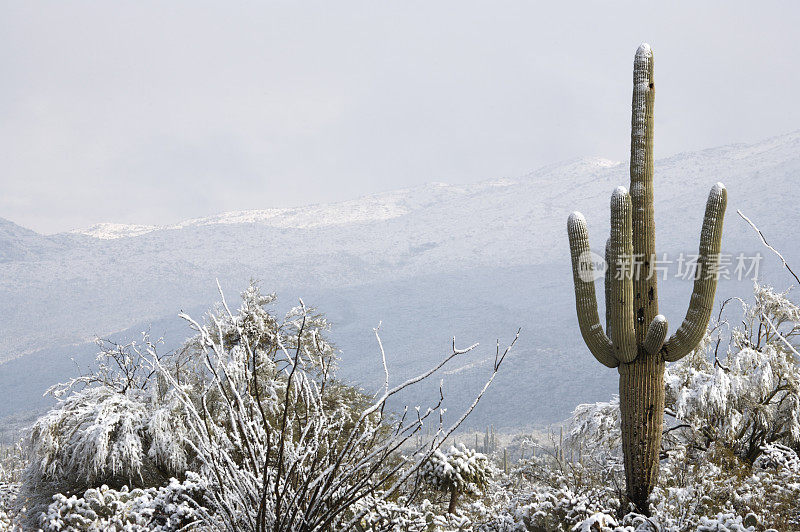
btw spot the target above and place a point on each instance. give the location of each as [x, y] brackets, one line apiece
[473, 260]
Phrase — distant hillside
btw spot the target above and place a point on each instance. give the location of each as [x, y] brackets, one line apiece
[475, 261]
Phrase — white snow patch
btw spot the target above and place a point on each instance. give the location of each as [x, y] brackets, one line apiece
[110, 231]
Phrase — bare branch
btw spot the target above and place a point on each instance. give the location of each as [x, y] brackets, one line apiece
[764, 240]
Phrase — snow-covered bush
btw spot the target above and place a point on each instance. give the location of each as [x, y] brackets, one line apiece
[779, 457]
[253, 405]
[597, 522]
[559, 494]
[98, 434]
[594, 429]
[712, 490]
[8, 512]
[455, 471]
[380, 514]
[751, 397]
[175, 506]
[115, 426]
[279, 438]
[13, 462]
[704, 484]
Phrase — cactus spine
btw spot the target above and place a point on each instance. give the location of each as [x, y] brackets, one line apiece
[634, 340]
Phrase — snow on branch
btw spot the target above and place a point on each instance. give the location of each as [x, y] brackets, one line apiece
[282, 440]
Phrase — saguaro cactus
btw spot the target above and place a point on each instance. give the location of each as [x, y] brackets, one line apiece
[634, 342]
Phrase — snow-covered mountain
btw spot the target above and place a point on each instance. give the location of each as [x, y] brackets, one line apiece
[477, 261]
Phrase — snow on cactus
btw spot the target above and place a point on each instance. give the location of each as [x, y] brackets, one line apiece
[176, 506]
[598, 522]
[458, 470]
[780, 457]
[387, 516]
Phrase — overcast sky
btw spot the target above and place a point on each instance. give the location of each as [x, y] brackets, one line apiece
[154, 112]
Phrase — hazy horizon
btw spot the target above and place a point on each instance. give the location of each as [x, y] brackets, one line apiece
[128, 113]
[358, 196]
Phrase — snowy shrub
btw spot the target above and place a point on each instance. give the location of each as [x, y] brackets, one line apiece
[597, 522]
[546, 493]
[379, 514]
[637, 523]
[714, 490]
[168, 508]
[723, 523]
[780, 457]
[458, 470]
[251, 403]
[114, 426]
[8, 495]
[280, 439]
[595, 429]
[99, 434]
[752, 397]
[13, 462]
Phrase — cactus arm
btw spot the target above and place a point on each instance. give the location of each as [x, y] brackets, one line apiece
[645, 289]
[609, 277]
[693, 328]
[621, 283]
[656, 334]
[585, 300]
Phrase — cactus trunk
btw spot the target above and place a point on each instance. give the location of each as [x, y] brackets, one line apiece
[634, 339]
[641, 382]
[641, 403]
[451, 508]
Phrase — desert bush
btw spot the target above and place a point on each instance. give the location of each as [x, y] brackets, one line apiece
[284, 444]
[113, 426]
[175, 506]
[250, 412]
[455, 471]
[750, 397]
[14, 460]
